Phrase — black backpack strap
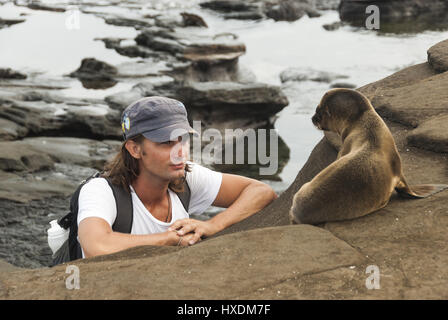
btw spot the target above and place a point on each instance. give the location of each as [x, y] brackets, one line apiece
[71, 221]
[185, 195]
[125, 215]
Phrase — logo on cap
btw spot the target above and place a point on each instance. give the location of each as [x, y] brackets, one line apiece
[126, 124]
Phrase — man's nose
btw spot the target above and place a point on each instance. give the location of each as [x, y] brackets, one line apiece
[182, 148]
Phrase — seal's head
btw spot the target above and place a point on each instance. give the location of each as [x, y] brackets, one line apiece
[338, 108]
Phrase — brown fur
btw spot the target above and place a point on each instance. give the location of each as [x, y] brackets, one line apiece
[366, 171]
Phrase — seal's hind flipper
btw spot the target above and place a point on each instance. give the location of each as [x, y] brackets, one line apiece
[420, 190]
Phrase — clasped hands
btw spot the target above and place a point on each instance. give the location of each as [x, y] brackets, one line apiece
[192, 231]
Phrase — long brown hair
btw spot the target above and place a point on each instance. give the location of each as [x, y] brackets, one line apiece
[123, 169]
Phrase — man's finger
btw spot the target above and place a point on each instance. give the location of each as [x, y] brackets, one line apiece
[196, 238]
[187, 229]
[177, 224]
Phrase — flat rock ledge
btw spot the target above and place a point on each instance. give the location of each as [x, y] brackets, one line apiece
[228, 267]
[431, 135]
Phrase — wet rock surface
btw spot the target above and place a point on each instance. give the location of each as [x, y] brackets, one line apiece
[431, 135]
[278, 10]
[8, 73]
[398, 15]
[305, 74]
[95, 74]
[50, 141]
[9, 22]
[406, 240]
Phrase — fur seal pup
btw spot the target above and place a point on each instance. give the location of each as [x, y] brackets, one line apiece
[366, 171]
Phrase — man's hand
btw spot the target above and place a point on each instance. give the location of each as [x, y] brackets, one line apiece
[193, 229]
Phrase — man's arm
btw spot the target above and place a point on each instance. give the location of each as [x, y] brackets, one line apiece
[240, 195]
[97, 238]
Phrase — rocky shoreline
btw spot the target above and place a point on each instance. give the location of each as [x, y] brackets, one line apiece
[50, 142]
[406, 240]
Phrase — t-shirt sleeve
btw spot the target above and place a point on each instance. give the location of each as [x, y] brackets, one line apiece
[204, 187]
[97, 200]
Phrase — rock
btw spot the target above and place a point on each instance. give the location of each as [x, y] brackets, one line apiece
[290, 10]
[296, 250]
[279, 10]
[410, 105]
[248, 100]
[135, 51]
[7, 267]
[431, 135]
[23, 228]
[402, 78]
[95, 121]
[398, 15]
[136, 69]
[9, 22]
[77, 151]
[19, 157]
[8, 73]
[327, 4]
[40, 153]
[438, 56]
[10, 130]
[121, 100]
[250, 15]
[342, 85]
[46, 7]
[128, 50]
[219, 104]
[236, 9]
[129, 22]
[75, 118]
[111, 43]
[158, 39]
[196, 48]
[23, 189]
[308, 74]
[195, 57]
[214, 52]
[333, 26]
[95, 74]
[229, 5]
[35, 81]
[193, 20]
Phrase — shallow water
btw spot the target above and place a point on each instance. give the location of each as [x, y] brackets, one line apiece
[362, 55]
[44, 43]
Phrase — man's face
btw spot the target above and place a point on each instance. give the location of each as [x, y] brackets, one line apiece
[165, 160]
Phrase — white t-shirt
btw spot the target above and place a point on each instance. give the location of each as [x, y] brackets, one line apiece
[97, 200]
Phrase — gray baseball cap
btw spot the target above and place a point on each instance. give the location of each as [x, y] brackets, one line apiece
[158, 119]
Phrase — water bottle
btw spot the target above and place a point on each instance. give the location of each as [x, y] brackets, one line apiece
[56, 236]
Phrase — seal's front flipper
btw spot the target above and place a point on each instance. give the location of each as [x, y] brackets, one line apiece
[420, 190]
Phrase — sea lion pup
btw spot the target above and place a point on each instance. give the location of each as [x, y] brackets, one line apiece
[366, 171]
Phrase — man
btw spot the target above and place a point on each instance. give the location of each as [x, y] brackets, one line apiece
[152, 165]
